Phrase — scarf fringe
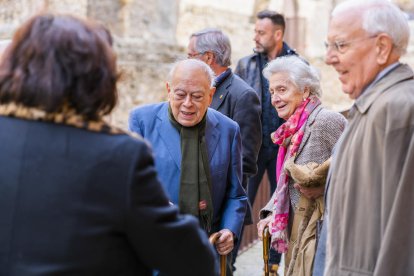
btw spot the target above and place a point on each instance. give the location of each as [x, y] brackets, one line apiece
[67, 116]
[279, 241]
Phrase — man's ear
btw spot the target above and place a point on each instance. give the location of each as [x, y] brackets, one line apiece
[167, 85]
[278, 34]
[209, 58]
[383, 47]
[211, 94]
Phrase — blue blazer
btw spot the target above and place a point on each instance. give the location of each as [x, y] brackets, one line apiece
[225, 158]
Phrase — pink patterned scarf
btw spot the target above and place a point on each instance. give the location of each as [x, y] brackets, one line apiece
[289, 137]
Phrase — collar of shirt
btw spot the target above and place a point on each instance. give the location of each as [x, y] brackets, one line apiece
[220, 78]
[368, 94]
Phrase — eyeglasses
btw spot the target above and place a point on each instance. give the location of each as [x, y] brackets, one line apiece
[190, 55]
[182, 96]
[342, 46]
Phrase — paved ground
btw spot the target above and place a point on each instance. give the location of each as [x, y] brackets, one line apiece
[250, 262]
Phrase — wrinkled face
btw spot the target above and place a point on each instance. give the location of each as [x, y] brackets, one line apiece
[286, 96]
[189, 94]
[355, 61]
[266, 35]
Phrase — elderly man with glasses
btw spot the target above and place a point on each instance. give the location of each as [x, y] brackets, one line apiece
[233, 98]
[369, 223]
[197, 152]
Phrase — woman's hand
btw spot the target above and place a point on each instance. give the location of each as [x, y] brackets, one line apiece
[262, 224]
[310, 193]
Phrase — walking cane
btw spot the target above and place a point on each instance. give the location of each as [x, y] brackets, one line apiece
[266, 247]
[213, 238]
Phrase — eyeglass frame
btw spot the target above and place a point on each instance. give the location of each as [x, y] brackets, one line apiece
[193, 98]
[189, 55]
[337, 45]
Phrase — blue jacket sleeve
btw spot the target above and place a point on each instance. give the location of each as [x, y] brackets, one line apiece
[236, 200]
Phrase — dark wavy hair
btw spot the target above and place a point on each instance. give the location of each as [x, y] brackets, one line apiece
[277, 18]
[56, 61]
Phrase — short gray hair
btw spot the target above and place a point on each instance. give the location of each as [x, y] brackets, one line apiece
[380, 16]
[214, 40]
[195, 63]
[300, 73]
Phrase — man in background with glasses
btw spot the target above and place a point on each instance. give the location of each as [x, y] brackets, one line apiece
[233, 98]
[197, 152]
[369, 219]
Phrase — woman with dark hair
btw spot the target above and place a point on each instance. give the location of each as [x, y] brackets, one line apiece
[77, 195]
[61, 66]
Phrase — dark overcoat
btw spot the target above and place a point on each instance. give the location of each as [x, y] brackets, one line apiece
[78, 202]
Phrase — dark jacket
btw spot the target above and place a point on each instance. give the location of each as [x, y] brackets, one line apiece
[238, 101]
[77, 202]
[249, 69]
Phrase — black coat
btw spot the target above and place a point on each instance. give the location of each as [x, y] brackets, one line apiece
[250, 69]
[238, 101]
[77, 202]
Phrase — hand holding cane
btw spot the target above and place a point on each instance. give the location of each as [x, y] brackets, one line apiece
[213, 238]
[266, 249]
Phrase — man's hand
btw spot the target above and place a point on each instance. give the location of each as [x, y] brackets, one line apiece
[310, 193]
[225, 243]
[262, 224]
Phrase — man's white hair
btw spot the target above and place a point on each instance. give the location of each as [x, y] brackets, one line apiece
[380, 16]
[196, 64]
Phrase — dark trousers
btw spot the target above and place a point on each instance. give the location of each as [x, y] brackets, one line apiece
[248, 219]
[265, 162]
[229, 264]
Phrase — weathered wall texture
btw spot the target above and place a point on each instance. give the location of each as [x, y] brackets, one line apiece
[231, 16]
[150, 35]
[236, 18]
[144, 34]
[146, 45]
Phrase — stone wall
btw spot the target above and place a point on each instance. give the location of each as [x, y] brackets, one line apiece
[144, 34]
[237, 19]
[145, 42]
[232, 17]
[150, 35]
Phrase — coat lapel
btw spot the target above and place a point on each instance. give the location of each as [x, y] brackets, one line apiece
[307, 133]
[169, 135]
[221, 92]
[403, 72]
[212, 133]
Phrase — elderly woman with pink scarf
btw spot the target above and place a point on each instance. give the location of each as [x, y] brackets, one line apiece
[306, 142]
